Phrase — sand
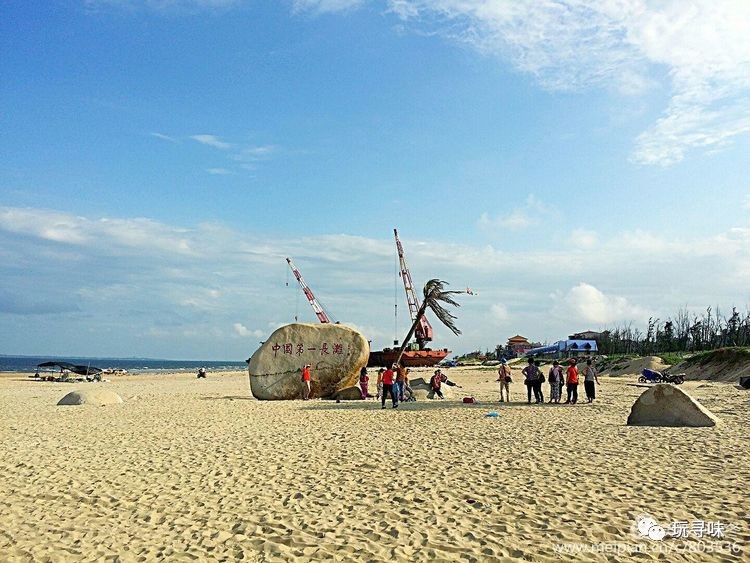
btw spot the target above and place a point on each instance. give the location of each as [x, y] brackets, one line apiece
[190, 469]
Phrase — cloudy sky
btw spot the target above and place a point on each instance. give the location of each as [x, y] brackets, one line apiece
[578, 164]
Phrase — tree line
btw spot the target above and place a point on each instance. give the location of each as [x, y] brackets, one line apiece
[684, 332]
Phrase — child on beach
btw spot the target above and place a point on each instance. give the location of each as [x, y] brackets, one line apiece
[572, 381]
[363, 380]
[590, 380]
[503, 376]
[555, 382]
[380, 383]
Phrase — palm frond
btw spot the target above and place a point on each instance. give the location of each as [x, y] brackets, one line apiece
[435, 295]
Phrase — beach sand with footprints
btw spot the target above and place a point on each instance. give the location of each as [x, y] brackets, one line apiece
[190, 469]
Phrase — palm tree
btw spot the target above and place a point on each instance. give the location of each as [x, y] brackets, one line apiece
[435, 295]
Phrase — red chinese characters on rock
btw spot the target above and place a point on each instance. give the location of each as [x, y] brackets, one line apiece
[326, 349]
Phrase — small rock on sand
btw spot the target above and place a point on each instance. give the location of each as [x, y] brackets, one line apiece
[98, 397]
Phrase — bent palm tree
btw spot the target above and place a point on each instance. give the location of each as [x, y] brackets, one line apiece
[435, 295]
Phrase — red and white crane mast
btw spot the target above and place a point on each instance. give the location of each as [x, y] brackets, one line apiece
[423, 332]
[321, 314]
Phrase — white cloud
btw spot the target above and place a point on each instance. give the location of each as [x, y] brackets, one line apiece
[499, 313]
[746, 203]
[589, 304]
[105, 233]
[115, 273]
[164, 137]
[212, 141]
[254, 154]
[219, 171]
[517, 219]
[701, 47]
[241, 330]
[583, 239]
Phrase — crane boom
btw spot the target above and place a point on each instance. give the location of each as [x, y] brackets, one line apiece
[423, 332]
[321, 314]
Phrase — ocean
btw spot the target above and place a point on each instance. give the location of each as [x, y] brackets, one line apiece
[132, 365]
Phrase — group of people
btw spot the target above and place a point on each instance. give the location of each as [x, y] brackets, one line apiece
[394, 381]
[556, 377]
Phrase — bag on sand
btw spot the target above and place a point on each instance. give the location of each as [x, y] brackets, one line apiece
[469, 400]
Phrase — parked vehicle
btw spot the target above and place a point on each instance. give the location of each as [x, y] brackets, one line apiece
[653, 376]
[677, 378]
[650, 376]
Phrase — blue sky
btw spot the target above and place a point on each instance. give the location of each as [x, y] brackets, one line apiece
[577, 164]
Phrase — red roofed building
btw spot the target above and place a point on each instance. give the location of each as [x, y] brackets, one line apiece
[519, 344]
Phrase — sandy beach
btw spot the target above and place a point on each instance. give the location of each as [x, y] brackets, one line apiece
[190, 469]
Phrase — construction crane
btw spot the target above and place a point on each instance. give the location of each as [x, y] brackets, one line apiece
[423, 332]
[321, 314]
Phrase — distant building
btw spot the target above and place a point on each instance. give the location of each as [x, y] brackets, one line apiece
[519, 344]
[585, 335]
[565, 348]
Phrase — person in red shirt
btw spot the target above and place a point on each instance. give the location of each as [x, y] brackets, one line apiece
[306, 381]
[572, 382]
[389, 376]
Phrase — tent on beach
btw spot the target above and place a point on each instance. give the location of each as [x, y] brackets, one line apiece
[80, 370]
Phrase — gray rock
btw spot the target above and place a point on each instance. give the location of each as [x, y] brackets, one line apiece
[667, 405]
[335, 352]
[422, 389]
[97, 397]
[349, 394]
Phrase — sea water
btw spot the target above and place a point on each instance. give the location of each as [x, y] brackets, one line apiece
[132, 365]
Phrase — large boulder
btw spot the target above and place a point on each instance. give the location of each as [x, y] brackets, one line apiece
[336, 354]
[353, 393]
[667, 405]
[97, 397]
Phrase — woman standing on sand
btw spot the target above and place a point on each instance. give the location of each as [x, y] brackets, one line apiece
[555, 382]
[572, 381]
[590, 381]
[363, 381]
[533, 381]
[379, 384]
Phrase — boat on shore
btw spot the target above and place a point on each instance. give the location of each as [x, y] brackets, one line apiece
[410, 358]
